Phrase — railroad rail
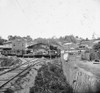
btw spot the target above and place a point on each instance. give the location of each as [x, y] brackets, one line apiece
[29, 64]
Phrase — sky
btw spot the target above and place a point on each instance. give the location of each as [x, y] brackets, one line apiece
[49, 18]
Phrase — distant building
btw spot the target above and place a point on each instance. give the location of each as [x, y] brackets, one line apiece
[19, 44]
[67, 43]
[96, 41]
[88, 43]
[7, 44]
[37, 46]
[70, 46]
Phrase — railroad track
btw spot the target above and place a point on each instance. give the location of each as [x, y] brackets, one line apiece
[11, 74]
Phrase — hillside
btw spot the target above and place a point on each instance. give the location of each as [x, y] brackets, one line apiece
[81, 76]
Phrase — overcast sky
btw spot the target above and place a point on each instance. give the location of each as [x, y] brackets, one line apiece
[47, 18]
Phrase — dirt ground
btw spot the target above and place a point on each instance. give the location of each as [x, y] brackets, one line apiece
[82, 76]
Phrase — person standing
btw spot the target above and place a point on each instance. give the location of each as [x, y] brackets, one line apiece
[65, 56]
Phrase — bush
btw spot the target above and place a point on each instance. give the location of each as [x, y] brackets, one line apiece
[8, 62]
[92, 56]
[50, 79]
[96, 47]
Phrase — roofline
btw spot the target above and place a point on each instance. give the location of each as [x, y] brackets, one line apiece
[7, 42]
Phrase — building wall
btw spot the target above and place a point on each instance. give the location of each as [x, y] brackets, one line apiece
[18, 44]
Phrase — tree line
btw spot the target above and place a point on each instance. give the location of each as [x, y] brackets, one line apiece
[62, 39]
[11, 38]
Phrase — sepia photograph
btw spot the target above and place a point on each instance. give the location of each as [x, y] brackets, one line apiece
[49, 46]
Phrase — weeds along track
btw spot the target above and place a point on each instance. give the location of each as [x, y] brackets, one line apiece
[14, 68]
[50, 79]
[27, 66]
[79, 80]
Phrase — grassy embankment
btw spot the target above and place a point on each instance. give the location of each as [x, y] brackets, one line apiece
[50, 79]
[79, 76]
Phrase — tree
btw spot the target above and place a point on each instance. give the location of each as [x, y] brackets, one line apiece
[77, 37]
[87, 39]
[28, 38]
[10, 37]
[2, 40]
[70, 38]
[96, 47]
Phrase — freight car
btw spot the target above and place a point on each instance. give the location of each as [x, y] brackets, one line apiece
[29, 53]
[18, 49]
[18, 53]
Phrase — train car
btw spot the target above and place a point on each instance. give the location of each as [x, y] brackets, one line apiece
[19, 49]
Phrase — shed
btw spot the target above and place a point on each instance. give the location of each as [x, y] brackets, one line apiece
[37, 46]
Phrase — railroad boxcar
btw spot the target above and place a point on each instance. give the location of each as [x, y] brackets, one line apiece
[20, 49]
